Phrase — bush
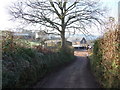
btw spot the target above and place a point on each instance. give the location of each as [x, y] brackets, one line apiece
[23, 66]
[105, 59]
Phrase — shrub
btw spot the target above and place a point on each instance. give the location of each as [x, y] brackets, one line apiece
[106, 56]
[22, 66]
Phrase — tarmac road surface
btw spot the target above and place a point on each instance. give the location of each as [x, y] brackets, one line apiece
[76, 75]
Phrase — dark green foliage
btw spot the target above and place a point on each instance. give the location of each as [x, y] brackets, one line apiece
[25, 66]
[96, 62]
[22, 65]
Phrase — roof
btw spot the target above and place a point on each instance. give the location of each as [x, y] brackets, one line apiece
[83, 41]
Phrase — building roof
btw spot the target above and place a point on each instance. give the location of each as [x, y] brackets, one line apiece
[83, 41]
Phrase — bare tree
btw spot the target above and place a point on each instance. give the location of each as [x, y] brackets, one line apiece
[60, 16]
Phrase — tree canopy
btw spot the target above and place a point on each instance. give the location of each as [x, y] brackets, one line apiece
[60, 16]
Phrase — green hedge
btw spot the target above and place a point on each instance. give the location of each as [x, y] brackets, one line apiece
[105, 59]
[26, 66]
[96, 60]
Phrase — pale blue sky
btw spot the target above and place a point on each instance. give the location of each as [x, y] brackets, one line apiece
[113, 6]
[5, 24]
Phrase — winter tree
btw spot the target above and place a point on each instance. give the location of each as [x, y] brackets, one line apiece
[59, 16]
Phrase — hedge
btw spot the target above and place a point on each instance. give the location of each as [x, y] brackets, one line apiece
[106, 59]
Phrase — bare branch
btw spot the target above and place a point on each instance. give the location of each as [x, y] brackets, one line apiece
[59, 15]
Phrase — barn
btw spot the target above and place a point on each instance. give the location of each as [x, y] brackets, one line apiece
[80, 44]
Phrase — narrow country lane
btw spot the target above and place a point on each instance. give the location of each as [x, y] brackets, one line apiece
[75, 75]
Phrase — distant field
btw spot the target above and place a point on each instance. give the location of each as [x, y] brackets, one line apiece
[34, 43]
[30, 43]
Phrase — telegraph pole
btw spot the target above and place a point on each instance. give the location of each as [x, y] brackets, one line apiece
[119, 15]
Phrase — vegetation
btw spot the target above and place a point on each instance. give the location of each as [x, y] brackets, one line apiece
[60, 16]
[105, 59]
[23, 65]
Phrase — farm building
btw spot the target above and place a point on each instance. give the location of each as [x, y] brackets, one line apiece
[80, 43]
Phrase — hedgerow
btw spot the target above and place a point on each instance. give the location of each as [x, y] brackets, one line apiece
[106, 59]
[22, 65]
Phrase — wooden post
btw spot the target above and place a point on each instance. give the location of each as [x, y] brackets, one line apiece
[119, 15]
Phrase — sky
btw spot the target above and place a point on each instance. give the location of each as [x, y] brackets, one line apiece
[6, 24]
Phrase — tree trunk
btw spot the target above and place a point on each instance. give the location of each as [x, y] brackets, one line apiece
[63, 41]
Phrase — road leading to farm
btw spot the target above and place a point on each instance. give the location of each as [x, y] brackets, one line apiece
[75, 75]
